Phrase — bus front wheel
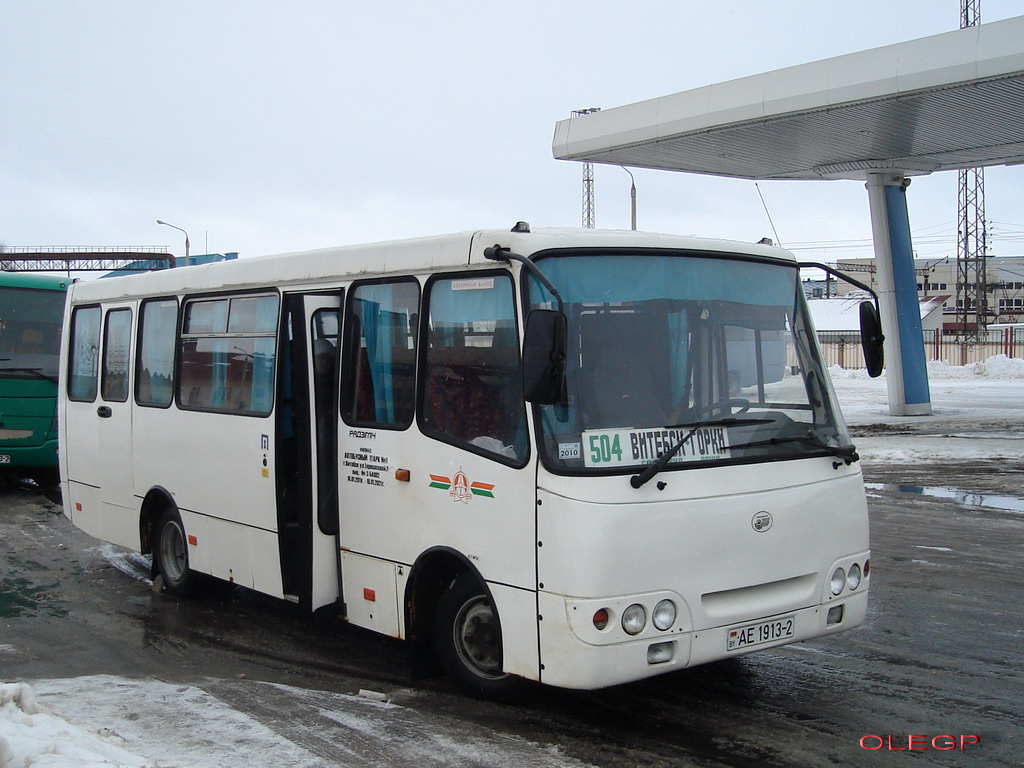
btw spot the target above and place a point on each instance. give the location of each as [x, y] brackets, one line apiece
[171, 553]
[467, 636]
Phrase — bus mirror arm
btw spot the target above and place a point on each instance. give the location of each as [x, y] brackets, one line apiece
[498, 253]
[871, 338]
[545, 339]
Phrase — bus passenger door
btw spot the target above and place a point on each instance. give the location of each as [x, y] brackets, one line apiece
[306, 456]
[96, 424]
[114, 424]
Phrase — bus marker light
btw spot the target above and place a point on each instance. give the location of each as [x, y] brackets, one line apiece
[853, 577]
[78, 506]
[659, 653]
[838, 581]
[193, 541]
[370, 595]
[664, 615]
[402, 475]
[634, 619]
[601, 618]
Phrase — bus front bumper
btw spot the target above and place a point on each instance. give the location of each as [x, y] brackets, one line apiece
[568, 661]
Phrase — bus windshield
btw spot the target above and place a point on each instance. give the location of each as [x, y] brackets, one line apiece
[30, 322]
[686, 359]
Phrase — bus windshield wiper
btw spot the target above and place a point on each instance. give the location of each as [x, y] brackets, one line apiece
[662, 461]
[37, 371]
[847, 453]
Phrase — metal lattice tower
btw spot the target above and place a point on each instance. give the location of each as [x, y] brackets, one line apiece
[971, 300]
[589, 213]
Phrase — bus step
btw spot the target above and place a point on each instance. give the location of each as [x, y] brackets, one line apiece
[292, 598]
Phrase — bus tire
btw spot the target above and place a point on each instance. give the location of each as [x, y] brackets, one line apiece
[467, 639]
[170, 555]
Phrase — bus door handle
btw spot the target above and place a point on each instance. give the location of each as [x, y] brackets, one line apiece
[104, 412]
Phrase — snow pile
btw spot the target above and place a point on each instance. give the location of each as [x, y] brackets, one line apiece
[838, 373]
[1003, 367]
[995, 367]
[938, 369]
[30, 736]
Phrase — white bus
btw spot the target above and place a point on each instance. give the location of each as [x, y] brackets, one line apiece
[576, 457]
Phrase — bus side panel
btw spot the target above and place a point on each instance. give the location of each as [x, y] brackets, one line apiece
[517, 609]
[375, 602]
[217, 464]
[237, 553]
[119, 525]
[480, 508]
[221, 468]
[82, 506]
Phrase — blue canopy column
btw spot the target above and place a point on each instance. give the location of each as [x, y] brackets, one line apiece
[905, 362]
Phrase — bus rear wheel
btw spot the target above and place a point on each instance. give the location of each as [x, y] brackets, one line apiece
[171, 554]
[467, 637]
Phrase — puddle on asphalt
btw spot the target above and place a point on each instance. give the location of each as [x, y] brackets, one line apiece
[20, 598]
[964, 498]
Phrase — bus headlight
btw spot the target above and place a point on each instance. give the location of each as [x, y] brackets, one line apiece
[853, 577]
[634, 619]
[664, 615]
[838, 581]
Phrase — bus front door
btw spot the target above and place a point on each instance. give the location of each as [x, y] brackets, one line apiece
[306, 439]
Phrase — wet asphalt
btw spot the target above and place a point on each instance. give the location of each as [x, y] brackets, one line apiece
[939, 662]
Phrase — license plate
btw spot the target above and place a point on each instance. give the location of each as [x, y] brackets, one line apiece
[760, 633]
[5, 458]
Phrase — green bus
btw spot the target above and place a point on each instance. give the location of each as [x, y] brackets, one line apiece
[31, 313]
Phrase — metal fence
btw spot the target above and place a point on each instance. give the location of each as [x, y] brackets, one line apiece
[843, 349]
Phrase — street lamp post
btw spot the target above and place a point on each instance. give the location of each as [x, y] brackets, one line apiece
[187, 261]
[632, 198]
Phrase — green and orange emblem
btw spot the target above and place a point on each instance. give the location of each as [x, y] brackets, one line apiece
[460, 488]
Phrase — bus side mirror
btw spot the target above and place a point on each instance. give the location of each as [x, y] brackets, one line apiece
[544, 357]
[871, 338]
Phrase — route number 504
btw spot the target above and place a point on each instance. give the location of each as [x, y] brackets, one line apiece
[603, 448]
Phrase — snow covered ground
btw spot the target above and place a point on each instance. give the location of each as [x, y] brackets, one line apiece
[113, 722]
[88, 722]
[977, 413]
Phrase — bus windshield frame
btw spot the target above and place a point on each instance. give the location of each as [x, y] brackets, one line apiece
[708, 356]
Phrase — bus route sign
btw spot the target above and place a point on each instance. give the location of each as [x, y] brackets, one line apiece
[607, 448]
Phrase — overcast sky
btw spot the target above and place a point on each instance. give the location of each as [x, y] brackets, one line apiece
[262, 127]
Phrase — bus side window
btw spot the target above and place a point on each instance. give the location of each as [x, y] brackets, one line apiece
[471, 376]
[379, 370]
[83, 367]
[154, 379]
[228, 355]
[117, 340]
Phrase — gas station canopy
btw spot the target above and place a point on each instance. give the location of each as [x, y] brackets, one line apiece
[954, 100]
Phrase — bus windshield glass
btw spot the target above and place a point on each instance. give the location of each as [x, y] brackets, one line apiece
[30, 322]
[710, 359]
